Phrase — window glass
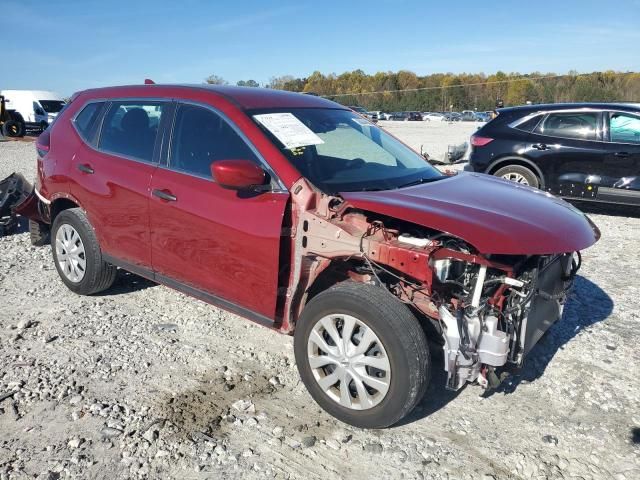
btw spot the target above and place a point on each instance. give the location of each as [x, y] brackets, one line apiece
[52, 106]
[201, 137]
[579, 125]
[38, 109]
[130, 129]
[352, 154]
[530, 124]
[624, 128]
[351, 142]
[86, 119]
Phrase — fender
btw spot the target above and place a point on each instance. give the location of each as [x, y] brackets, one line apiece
[532, 165]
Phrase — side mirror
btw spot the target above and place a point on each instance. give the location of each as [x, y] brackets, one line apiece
[237, 174]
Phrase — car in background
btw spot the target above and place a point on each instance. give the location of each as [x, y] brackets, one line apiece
[468, 116]
[452, 116]
[482, 116]
[398, 116]
[585, 151]
[364, 113]
[379, 114]
[38, 108]
[413, 116]
[433, 117]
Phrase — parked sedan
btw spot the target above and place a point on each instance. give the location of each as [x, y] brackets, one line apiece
[588, 151]
[398, 116]
[292, 211]
[433, 117]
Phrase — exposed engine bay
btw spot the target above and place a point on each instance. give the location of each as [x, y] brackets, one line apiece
[488, 310]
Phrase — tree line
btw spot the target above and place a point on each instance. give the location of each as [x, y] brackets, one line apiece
[404, 90]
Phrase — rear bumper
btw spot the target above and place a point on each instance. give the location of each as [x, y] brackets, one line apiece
[19, 197]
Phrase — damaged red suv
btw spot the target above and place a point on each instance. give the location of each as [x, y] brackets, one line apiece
[299, 214]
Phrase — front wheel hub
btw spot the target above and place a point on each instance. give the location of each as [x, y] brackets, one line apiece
[349, 362]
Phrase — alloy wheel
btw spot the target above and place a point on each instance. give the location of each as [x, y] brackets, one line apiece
[515, 177]
[349, 361]
[70, 253]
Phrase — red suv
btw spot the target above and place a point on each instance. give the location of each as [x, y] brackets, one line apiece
[299, 214]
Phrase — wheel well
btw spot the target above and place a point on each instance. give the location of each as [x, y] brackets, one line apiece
[343, 271]
[503, 162]
[337, 272]
[59, 205]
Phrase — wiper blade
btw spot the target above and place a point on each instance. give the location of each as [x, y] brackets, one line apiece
[421, 181]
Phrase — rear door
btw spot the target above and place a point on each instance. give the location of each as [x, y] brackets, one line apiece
[110, 176]
[568, 147]
[621, 165]
[221, 245]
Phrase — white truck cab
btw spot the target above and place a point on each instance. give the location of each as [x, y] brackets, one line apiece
[37, 107]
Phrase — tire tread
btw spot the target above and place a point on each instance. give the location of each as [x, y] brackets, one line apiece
[405, 326]
[103, 274]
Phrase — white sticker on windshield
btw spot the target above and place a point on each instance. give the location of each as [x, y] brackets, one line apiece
[288, 129]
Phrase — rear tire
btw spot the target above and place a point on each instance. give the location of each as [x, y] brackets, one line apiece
[38, 233]
[13, 128]
[518, 174]
[373, 397]
[87, 273]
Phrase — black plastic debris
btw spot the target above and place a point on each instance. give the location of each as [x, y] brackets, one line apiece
[13, 191]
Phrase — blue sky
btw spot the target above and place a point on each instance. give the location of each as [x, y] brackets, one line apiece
[70, 45]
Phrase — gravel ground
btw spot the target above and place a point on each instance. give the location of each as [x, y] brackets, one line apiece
[146, 382]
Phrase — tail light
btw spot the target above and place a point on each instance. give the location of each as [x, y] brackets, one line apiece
[478, 141]
[43, 143]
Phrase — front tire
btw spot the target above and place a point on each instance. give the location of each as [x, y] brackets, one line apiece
[362, 355]
[518, 174]
[77, 255]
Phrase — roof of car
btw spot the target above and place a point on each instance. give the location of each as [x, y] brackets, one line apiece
[565, 106]
[245, 97]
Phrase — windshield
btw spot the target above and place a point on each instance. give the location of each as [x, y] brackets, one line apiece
[52, 106]
[339, 151]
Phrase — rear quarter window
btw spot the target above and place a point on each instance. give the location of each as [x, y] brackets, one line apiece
[85, 121]
[530, 124]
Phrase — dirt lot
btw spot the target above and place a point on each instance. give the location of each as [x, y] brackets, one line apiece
[146, 382]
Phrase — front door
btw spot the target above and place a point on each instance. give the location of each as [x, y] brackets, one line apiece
[220, 242]
[621, 165]
[568, 146]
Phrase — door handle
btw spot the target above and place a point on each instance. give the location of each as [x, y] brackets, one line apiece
[164, 195]
[84, 168]
[621, 154]
[539, 146]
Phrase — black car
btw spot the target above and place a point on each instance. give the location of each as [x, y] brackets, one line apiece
[587, 151]
[398, 116]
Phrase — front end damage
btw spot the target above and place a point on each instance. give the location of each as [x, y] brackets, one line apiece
[488, 310]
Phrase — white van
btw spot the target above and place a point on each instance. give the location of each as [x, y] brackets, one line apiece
[37, 107]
